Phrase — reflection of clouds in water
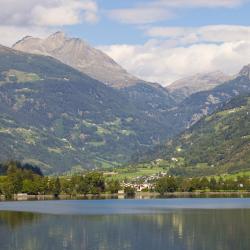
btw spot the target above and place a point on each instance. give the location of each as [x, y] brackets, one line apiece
[112, 207]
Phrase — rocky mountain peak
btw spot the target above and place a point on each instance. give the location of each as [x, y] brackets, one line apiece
[58, 35]
[3, 48]
[200, 82]
[245, 71]
[54, 41]
[78, 54]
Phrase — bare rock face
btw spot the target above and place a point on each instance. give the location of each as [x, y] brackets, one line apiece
[199, 82]
[78, 54]
[245, 71]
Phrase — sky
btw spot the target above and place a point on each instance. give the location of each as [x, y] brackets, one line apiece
[156, 40]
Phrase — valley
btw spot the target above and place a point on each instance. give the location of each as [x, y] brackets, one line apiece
[64, 119]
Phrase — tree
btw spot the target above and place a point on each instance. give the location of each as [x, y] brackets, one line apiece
[84, 186]
[28, 187]
[96, 182]
[204, 183]
[14, 176]
[185, 186]
[7, 189]
[166, 184]
[213, 184]
[195, 184]
[113, 186]
[66, 186]
[57, 187]
[129, 191]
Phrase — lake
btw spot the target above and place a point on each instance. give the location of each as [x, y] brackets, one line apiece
[174, 224]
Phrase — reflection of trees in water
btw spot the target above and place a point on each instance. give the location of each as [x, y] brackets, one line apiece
[12, 229]
[16, 219]
[176, 230]
[214, 229]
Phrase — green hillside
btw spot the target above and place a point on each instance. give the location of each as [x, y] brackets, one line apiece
[204, 103]
[62, 120]
[219, 143]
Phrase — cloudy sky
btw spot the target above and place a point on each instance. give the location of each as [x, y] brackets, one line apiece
[157, 40]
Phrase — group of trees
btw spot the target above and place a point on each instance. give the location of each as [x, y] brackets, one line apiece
[174, 184]
[91, 183]
[21, 178]
[16, 178]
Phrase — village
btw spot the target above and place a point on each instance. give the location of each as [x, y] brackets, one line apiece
[143, 183]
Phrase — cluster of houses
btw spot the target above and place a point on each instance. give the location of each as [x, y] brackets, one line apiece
[144, 183]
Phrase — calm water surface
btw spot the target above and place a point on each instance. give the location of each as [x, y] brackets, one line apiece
[174, 224]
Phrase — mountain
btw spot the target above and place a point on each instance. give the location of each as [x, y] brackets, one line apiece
[200, 104]
[149, 97]
[79, 55]
[245, 71]
[217, 144]
[60, 119]
[185, 87]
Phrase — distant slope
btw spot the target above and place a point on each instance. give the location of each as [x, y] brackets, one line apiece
[93, 62]
[219, 143]
[200, 104]
[78, 54]
[55, 116]
[190, 111]
[200, 82]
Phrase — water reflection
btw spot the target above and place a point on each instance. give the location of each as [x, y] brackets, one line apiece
[175, 230]
[13, 220]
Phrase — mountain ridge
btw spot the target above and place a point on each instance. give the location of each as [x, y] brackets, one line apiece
[203, 103]
[219, 143]
[61, 119]
[185, 87]
[78, 54]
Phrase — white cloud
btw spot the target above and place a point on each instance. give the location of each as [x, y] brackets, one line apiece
[47, 12]
[201, 3]
[162, 62]
[140, 15]
[159, 10]
[212, 33]
[11, 34]
[19, 18]
[65, 13]
[176, 52]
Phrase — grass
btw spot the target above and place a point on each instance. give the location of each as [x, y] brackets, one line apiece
[20, 101]
[102, 131]
[132, 173]
[29, 136]
[21, 77]
[97, 143]
[55, 150]
[229, 111]
[2, 178]
[105, 163]
[234, 176]
[37, 163]
[127, 132]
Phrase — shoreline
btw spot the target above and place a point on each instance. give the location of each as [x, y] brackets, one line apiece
[138, 195]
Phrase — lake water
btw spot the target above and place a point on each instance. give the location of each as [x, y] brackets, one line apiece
[174, 224]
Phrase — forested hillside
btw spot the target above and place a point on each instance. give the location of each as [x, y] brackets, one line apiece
[53, 116]
[219, 143]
